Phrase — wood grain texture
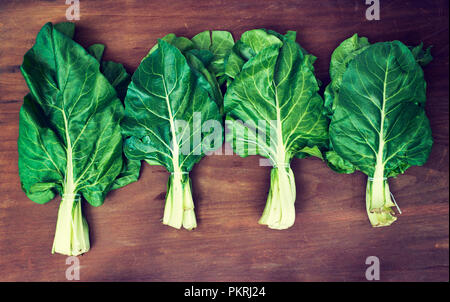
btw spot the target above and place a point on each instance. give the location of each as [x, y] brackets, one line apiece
[331, 237]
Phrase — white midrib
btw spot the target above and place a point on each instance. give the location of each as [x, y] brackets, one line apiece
[69, 187]
[281, 151]
[176, 149]
[379, 169]
[378, 177]
[174, 216]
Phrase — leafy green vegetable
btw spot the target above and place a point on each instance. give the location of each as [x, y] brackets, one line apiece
[165, 105]
[114, 72]
[340, 59]
[205, 53]
[423, 57]
[119, 79]
[275, 93]
[376, 99]
[70, 141]
[219, 43]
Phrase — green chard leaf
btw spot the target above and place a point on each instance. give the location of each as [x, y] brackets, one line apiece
[70, 141]
[168, 106]
[423, 57]
[119, 79]
[379, 125]
[205, 54]
[338, 164]
[219, 43]
[274, 110]
[340, 59]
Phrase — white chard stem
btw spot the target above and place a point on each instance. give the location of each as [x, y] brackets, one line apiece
[378, 197]
[179, 207]
[72, 232]
[378, 200]
[279, 212]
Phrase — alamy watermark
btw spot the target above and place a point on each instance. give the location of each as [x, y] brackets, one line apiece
[73, 11]
[373, 271]
[198, 137]
[373, 11]
[73, 271]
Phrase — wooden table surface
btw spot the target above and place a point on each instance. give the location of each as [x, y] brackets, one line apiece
[331, 238]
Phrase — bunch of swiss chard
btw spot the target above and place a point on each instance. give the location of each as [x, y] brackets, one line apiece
[273, 109]
[77, 140]
[376, 102]
[173, 112]
[70, 142]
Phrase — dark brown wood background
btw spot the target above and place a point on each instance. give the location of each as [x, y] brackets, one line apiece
[331, 237]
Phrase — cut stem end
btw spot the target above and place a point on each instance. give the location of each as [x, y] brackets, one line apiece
[379, 203]
[279, 212]
[72, 232]
[179, 208]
